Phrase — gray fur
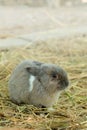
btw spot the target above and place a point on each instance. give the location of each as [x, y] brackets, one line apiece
[49, 81]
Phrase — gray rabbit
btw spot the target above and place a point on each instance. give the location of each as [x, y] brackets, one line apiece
[36, 83]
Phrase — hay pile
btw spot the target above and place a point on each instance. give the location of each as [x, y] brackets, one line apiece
[71, 111]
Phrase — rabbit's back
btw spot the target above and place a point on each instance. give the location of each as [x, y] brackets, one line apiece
[19, 82]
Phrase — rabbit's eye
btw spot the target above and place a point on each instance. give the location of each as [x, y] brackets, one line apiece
[54, 76]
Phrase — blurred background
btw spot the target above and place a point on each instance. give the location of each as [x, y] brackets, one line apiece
[36, 3]
[24, 21]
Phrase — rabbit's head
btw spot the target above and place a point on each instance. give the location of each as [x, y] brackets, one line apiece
[51, 77]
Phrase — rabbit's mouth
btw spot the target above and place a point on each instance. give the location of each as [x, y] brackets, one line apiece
[59, 87]
[63, 84]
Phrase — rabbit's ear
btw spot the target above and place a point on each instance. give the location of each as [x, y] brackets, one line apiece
[34, 70]
[37, 63]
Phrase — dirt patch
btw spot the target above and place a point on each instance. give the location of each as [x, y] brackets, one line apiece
[20, 20]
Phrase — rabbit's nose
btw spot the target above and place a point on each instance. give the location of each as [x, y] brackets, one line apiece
[65, 84]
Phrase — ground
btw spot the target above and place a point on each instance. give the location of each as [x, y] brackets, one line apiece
[71, 110]
[70, 113]
[22, 20]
